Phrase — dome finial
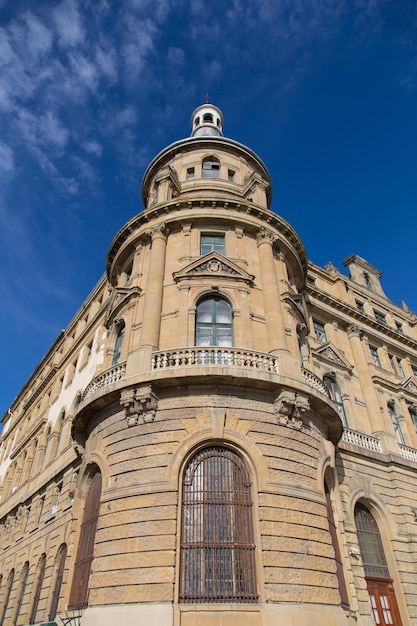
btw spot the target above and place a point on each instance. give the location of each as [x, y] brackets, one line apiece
[207, 120]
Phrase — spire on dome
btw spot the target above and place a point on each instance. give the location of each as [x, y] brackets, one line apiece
[207, 121]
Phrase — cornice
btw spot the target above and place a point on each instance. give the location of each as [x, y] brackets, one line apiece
[169, 212]
[367, 320]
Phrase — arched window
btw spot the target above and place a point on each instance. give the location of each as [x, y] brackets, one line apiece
[85, 552]
[118, 342]
[344, 600]
[379, 583]
[40, 574]
[21, 591]
[211, 167]
[214, 325]
[395, 422]
[207, 117]
[337, 398]
[6, 596]
[217, 548]
[60, 562]
[59, 434]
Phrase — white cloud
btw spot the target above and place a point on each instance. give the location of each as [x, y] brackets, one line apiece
[6, 158]
[93, 147]
[68, 23]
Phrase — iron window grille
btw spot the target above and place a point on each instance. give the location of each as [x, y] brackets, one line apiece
[217, 548]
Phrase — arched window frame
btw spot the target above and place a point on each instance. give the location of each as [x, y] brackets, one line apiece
[217, 333]
[344, 598]
[392, 410]
[210, 167]
[217, 545]
[86, 543]
[118, 342]
[6, 596]
[21, 591]
[40, 574]
[336, 396]
[59, 575]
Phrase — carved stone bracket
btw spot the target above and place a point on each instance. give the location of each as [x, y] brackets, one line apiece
[290, 407]
[265, 235]
[140, 405]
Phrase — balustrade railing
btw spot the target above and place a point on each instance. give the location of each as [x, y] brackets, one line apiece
[314, 381]
[360, 439]
[224, 357]
[110, 376]
[408, 453]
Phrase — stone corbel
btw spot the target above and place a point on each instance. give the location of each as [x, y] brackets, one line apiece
[140, 405]
[290, 407]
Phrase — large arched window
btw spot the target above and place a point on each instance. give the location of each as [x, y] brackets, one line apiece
[336, 396]
[217, 548]
[214, 325]
[60, 568]
[21, 591]
[211, 167]
[377, 576]
[85, 552]
[40, 574]
[6, 597]
[118, 342]
[344, 600]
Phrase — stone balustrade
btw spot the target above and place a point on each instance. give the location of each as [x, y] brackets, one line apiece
[223, 357]
[110, 376]
[408, 453]
[361, 440]
[314, 381]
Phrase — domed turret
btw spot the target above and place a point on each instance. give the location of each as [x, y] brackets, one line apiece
[207, 121]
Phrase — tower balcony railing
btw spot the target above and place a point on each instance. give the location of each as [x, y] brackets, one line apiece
[223, 357]
[110, 376]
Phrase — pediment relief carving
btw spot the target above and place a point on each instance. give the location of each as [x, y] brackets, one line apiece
[213, 265]
[119, 297]
[409, 385]
[330, 354]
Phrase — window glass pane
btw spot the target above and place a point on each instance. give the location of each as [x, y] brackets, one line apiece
[222, 312]
[204, 336]
[224, 337]
[204, 311]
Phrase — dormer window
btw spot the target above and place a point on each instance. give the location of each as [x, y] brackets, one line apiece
[211, 167]
[207, 117]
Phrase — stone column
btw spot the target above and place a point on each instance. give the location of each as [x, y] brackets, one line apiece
[274, 315]
[140, 360]
[152, 307]
[365, 381]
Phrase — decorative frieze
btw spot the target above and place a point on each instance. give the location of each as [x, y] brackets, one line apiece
[289, 408]
[140, 405]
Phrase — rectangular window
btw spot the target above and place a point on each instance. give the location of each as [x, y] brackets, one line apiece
[212, 243]
[360, 306]
[414, 372]
[375, 356]
[320, 332]
[190, 172]
[311, 280]
[380, 317]
[230, 175]
[393, 364]
[399, 327]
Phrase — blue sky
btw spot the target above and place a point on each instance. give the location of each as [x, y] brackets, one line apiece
[325, 91]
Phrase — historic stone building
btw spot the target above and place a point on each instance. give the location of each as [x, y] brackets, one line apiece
[224, 434]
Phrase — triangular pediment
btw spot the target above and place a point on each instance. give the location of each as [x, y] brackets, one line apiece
[119, 297]
[213, 265]
[332, 355]
[409, 384]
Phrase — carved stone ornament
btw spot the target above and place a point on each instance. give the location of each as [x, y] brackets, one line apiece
[410, 386]
[265, 235]
[213, 264]
[290, 407]
[140, 405]
[120, 296]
